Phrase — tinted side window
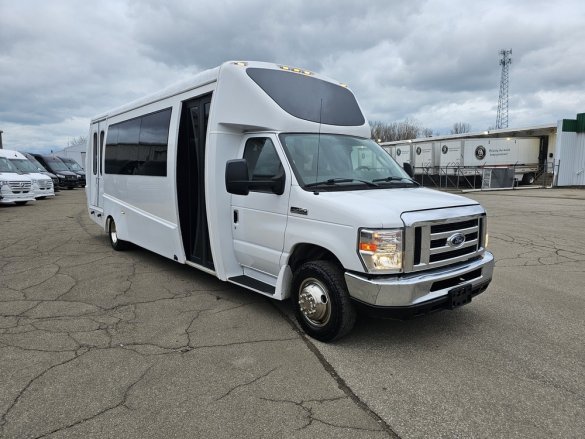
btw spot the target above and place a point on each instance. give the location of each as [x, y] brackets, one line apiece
[95, 153]
[263, 161]
[309, 98]
[154, 136]
[139, 146]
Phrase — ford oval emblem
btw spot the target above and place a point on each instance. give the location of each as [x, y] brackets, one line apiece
[456, 240]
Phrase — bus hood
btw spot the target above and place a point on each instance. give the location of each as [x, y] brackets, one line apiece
[377, 208]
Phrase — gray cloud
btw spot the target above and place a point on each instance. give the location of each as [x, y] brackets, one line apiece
[64, 61]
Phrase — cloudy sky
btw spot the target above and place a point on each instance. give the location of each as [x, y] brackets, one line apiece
[432, 61]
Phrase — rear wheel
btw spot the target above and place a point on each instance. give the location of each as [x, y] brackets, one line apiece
[528, 178]
[117, 243]
[321, 301]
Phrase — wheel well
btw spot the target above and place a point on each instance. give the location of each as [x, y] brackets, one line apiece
[310, 252]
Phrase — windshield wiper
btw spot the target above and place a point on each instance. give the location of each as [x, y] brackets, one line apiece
[333, 181]
[392, 178]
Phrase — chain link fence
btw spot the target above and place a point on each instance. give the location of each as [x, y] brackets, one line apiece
[487, 177]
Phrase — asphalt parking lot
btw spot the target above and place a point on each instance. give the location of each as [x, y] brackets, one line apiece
[97, 343]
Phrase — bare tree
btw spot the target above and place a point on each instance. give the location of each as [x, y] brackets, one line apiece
[426, 132]
[460, 128]
[78, 141]
[388, 132]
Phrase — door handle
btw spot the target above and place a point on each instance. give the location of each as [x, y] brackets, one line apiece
[235, 216]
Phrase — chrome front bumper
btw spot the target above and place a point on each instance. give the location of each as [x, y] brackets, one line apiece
[411, 290]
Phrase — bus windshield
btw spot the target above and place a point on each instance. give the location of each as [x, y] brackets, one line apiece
[24, 165]
[6, 166]
[338, 162]
[57, 164]
[36, 163]
[73, 165]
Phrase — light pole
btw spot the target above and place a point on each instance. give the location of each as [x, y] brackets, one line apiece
[1, 138]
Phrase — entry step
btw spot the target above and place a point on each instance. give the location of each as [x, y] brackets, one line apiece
[254, 284]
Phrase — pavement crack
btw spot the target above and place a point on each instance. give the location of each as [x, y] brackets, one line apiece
[4, 416]
[122, 403]
[239, 386]
[340, 381]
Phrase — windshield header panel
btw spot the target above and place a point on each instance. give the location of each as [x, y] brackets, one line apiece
[333, 162]
[309, 98]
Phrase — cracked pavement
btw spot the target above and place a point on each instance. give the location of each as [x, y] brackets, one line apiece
[511, 363]
[98, 343]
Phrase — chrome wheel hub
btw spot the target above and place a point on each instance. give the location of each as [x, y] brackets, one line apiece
[314, 302]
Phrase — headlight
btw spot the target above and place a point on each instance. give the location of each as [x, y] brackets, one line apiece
[35, 182]
[60, 176]
[381, 250]
[4, 183]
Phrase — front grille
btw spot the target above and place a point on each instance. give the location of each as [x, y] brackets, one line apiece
[20, 186]
[443, 242]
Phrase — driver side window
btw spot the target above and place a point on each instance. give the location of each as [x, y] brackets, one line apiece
[263, 161]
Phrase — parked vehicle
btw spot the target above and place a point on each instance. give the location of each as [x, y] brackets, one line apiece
[42, 170]
[67, 179]
[14, 187]
[42, 185]
[74, 167]
[264, 176]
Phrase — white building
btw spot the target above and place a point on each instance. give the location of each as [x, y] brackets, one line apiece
[76, 152]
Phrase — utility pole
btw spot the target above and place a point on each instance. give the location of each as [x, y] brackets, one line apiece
[505, 61]
[1, 139]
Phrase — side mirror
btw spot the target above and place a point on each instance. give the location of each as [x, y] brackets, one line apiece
[237, 180]
[408, 168]
[236, 177]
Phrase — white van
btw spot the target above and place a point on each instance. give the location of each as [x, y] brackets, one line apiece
[15, 187]
[265, 176]
[42, 185]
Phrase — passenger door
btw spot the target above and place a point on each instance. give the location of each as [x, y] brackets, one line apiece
[259, 218]
[95, 171]
[191, 181]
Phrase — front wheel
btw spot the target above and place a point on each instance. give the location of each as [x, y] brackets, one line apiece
[321, 301]
[117, 243]
[20, 203]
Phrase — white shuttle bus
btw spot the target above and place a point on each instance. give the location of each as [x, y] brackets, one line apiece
[264, 176]
[42, 185]
[15, 186]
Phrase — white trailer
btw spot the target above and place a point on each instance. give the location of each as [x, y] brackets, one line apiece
[521, 154]
[264, 176]
[423, 158]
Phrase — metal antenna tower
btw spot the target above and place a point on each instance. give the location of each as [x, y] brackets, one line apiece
[505, 61]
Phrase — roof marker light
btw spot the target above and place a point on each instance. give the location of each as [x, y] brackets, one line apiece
[296, 70]
[241, 63]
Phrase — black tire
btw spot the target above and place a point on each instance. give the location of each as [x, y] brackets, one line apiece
[20, 203]
[70, 188]
[528, 178]
[321, 302]
[117, 243]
